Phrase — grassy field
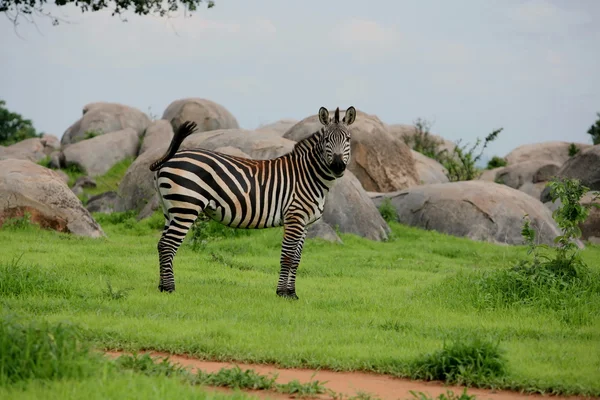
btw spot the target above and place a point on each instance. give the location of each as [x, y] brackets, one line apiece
[386, 307]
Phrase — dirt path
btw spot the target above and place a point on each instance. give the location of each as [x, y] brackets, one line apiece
[349, 383]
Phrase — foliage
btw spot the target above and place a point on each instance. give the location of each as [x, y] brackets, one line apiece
[13, 127]
[461, 362]
[496, 162]
[461, 165]
[573, 150]
[14, 9]
[18, 223]
[39, 350]
[388, 211]
[206, 229]
[594, 131]
[423, 142]
[449, 395]
[90, 134]
[115, 294]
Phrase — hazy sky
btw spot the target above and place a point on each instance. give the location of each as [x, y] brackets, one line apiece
[470, 66]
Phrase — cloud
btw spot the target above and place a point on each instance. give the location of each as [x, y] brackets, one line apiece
[367, 41]
[542, 16]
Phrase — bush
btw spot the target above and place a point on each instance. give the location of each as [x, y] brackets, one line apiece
[496, 162]
[594, 131]
[388, 211]
[423, 142]
[461, 165]
[13, 127]
[475, 361]
[206, 229]
[573, 150]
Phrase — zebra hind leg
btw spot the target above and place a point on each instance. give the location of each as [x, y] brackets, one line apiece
[169, 243]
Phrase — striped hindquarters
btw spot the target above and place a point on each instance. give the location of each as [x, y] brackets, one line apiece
[235, 191]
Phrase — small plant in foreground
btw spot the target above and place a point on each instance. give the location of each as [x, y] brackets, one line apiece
[18, 223]
[470, 363]
[449, 395]
[461, 165]
[38, 350]
[113, 293]
[388, 211]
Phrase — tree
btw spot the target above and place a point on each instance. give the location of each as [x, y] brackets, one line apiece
[15, 9]
[595, 131]
[13, 127]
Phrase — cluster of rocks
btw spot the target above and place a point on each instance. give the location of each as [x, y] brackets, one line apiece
[382, 167]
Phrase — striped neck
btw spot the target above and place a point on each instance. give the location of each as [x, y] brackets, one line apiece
[308, 154]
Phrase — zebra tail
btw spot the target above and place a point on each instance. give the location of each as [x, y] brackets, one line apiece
[184, 130]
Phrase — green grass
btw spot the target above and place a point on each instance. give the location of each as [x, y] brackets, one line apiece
[363, 305]
[110, 180]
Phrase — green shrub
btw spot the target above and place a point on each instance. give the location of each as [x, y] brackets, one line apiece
[461, 165]
[573, 150]
[474, 361]
[206, 229]
[423, 142]
[496, 162]
[388, 211]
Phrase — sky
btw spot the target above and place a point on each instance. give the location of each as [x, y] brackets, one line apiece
[468, 66]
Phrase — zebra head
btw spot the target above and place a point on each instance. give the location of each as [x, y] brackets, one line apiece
[335, 140]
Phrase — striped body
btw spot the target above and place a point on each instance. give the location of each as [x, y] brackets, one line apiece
[288, 191]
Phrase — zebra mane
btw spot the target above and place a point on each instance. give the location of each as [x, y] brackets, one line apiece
[308, 141]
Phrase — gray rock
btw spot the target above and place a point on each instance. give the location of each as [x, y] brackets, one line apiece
[29, 187]
[86, 182]
[477, 210]
[97, 155]
[102, 203]
[102, 118]
[158, 134]
[380, 161]
[136, 188]
[555, 151]
[428, 169]
[207, 114]
[257, 145]
[350, 209]
[32, 149]
[323, 231]
[534, 171]
[278, 128]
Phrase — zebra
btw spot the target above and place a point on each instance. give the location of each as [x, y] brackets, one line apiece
[289, 190]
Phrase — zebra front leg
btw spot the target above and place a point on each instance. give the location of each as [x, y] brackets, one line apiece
[291, 250]
[171, 239]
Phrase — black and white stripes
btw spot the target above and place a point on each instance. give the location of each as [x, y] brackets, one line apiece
[241, 193]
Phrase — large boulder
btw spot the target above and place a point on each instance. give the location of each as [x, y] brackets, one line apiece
[207, 114]
[102, 118]
[556, 151]
[322, 230]
[381, 162]
[97, 155]
[350, 209]
[278, 127]
[136, 188]
[477, 210]
[257, 145]
[533, 171]
[158, 134]
[26, 187]
[429, 170]
[32, 149]
[584, 166]
[590, 228]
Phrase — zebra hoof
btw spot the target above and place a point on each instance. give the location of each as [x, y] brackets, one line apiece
[288, 295]
[166, 289]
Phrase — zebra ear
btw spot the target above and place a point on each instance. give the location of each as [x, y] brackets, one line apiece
[350, 116]
[324, 116]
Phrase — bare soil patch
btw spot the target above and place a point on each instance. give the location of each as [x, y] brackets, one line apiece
[347, 384]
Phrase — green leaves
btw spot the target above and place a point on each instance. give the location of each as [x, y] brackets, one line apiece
[13, 127]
